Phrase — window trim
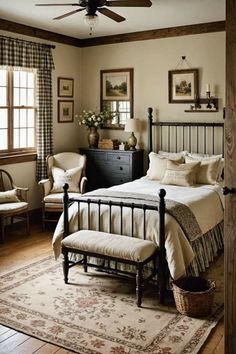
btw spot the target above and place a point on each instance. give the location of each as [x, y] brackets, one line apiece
[8, 159]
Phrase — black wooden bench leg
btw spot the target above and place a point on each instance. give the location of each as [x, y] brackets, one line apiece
[162, 278]
[65, 265]
[85, 264]
[139, 285]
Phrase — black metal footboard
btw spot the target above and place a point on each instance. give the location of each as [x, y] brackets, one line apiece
[162, 270]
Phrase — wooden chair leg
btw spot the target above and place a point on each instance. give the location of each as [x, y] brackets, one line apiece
[27, 223]
[65, 265]
[2, 236]
[139, 285]
[43, 216]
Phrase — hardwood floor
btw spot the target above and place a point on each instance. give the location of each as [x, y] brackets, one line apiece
[18, 251]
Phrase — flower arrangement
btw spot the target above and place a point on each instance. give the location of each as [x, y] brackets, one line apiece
[94, 120]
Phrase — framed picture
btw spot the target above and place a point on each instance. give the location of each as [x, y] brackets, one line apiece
[117, 85]
[65, 87]
[65, 111]
[183, 85]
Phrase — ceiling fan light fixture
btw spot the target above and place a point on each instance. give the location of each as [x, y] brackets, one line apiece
[91, 21]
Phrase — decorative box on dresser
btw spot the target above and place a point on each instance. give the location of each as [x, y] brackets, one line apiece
[106, 168]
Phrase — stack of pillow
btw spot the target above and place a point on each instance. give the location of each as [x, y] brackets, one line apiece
[185, 169]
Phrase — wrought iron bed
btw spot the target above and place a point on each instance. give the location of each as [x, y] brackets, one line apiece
[191, 136]
[174, 130]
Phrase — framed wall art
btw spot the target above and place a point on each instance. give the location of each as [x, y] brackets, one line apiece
[65, 87]
[117, 85]
[65, 111]
[183, 85]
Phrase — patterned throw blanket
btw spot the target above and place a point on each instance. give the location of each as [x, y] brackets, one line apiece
[182, 213]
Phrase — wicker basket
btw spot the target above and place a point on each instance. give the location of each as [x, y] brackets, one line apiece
[194, 296]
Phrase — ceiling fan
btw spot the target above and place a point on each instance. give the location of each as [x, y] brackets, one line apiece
[92, 6]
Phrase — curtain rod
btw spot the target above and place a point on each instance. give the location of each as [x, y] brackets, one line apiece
[23, 40]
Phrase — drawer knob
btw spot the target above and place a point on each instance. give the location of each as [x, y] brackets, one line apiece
[118, 157]
[121, 168]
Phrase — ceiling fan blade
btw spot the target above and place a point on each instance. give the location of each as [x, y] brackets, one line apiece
[67, 14]
[111, 14]
[129, 3]
[74, 4]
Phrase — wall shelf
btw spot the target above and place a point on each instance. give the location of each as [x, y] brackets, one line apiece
[201, 110]
[210, 105]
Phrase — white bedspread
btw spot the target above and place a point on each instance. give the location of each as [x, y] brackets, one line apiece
[205, 201]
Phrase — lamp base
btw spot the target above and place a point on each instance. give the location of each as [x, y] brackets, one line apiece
[132, 141]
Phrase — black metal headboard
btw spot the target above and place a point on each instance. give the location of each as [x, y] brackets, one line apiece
[190, 136]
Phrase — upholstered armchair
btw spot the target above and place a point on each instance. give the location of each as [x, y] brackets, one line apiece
[65, 167]
[13, 202]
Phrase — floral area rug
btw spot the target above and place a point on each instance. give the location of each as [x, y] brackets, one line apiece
[96, 313]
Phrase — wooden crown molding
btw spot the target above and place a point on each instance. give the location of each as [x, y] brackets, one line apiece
[118, 38]
[14, 27]
[155, 34]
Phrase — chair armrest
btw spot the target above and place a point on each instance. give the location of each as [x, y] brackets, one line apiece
[83, 184]
[46, 186]
[21, 193]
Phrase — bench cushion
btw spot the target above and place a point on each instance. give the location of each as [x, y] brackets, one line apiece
[113, 245]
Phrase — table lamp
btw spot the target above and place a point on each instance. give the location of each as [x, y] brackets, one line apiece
[132, 125]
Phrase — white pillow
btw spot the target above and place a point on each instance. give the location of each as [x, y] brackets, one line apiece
[209, 169]
[180, 174]
[71, 176]
[9, 197]
[200, 157]
[157, 165]
[173, 155]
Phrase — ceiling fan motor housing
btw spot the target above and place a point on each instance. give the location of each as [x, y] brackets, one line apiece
[91, 5]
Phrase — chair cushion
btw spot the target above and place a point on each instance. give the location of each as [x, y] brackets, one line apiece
[112, 245]
[58, 197]
[11, 207]
[71, 176]
[9, 196]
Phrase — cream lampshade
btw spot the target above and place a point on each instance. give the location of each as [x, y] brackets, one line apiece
[132, 125]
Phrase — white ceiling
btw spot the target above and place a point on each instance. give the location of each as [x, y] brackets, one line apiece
[162, 14]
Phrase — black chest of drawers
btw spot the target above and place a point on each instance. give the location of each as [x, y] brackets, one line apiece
[106, 168]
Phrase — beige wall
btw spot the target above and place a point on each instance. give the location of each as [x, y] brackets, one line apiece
[67, 61]
[151, 61]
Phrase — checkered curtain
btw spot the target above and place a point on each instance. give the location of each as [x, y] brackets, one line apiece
[20, 53]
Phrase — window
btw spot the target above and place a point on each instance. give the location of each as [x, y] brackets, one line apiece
[121, 111]
[17, 111]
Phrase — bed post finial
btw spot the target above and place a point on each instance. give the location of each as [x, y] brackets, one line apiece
[150, 120]
[65, 209]
[162, 251]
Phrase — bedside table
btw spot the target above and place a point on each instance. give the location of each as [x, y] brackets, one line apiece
[106, 168]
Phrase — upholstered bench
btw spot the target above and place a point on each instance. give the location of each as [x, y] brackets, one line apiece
[106, 246]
